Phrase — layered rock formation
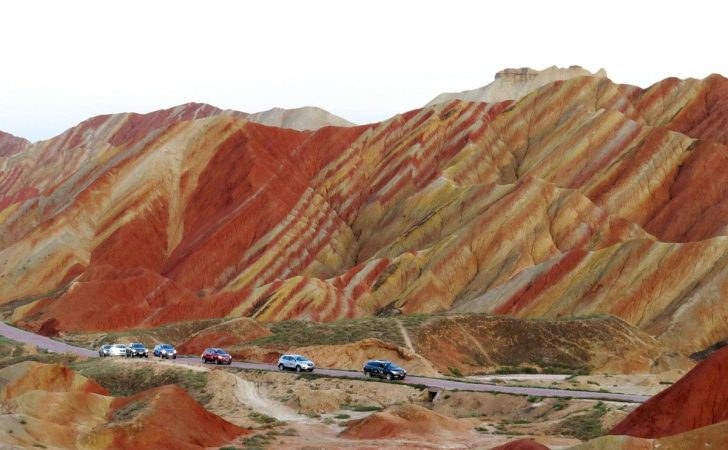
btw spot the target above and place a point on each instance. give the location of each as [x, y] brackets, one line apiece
[514, 84]
[697, 400]
[476, 344]
[582, 197]
[50, 405]
[306, 118]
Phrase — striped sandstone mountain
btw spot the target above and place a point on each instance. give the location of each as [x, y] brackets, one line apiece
[582, 197]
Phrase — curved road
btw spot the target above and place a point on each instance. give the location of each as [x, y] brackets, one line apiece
[51, 345]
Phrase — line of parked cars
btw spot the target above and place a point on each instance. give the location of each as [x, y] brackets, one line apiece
[137, 349]
[380, 368]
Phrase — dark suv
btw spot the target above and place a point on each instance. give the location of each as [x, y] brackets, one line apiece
[384, 369]
[136, 349]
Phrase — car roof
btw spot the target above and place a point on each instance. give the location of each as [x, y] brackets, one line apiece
[294, 355]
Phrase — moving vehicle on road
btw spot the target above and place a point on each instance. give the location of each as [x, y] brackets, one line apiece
[164, 351]
[381, 368]
[117, 350]
[104, 350]
[295, 362]
[217, 356]
[137, 349]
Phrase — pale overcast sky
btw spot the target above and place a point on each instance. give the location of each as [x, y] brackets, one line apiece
[63, 62]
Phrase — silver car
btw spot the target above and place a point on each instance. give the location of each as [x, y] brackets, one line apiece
[104, 350]
[295, 362]
[117, 350]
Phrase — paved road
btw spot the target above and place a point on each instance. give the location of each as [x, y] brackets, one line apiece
[434, 383]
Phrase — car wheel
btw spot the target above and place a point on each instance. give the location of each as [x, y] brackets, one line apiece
[389, 377]
[229, 362]
[174, 357]
[204, 361]
[367, 374]
[280, 367]
[298, 368]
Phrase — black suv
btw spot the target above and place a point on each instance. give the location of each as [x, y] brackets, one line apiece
[136, 349]
[384, 369]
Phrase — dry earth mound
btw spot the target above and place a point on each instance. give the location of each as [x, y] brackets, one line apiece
[697, 400]
[50, 405]
[521, 444]
[405, 421]
[228, 333]
[480, 344]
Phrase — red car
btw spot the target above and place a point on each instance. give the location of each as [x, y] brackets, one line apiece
[217, 356]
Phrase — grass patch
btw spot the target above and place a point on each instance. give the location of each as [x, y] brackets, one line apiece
[125, 381]
[560, 404]
[360, 408]
[510, 370]
[342, 416]
[262, 419]
[584, 426]
[257, 442]
[304, 333]
[129, 411]
[454, 371]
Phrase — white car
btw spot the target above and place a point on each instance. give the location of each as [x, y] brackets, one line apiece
[117, 350]
[295, 362]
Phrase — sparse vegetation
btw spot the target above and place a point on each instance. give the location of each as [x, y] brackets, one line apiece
[262, 419]
[360, 408]
[454, 371]
[584, 426]
[560, 404]
[533, 399]
[509, 370]
[124, 381]
[342, 416]
[129, 411]
[304, 333]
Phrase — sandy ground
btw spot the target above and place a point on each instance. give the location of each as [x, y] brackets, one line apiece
[287, 410]
[641, 384]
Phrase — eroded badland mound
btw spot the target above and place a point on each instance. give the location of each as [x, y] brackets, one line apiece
[579, 197]
[50, 405]
[697, 400]
[405, 421]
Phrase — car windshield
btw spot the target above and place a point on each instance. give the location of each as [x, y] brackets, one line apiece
[219, 351]
[392, 366]
[167, 347]
[138, 345]
[120, 346]
[300, 358]
[105, 346]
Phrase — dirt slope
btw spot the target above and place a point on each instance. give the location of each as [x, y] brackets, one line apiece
[697, 400]
[50, 405]
[405, 421]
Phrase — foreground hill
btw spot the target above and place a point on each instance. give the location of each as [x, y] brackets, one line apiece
[50, 405]
[582, 197]
[697, 400]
